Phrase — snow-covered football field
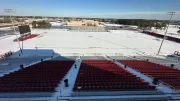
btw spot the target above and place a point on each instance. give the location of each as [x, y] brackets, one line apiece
[119, 42]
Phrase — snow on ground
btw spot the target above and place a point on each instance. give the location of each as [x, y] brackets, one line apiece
[7, 44]
[133, 26]
[172, 31]
[5, 28]
[120, 41]
[113, 25]
[101, 25]
[57, 23]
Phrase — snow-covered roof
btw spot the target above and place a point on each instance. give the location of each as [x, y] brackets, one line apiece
[57, 23]
[117, 25]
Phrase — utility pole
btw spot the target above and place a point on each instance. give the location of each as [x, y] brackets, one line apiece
[9, 11]
[169, 13]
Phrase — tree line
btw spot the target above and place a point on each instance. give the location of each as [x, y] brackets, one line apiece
[8, 20]
[41, 24]
[143, 24]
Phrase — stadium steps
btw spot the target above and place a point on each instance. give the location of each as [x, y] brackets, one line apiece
[175, 98]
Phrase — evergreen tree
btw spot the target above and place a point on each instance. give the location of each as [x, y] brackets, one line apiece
[34, 24]
[178, 32]
[41, 24]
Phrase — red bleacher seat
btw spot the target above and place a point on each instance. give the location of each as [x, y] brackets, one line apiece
[41, 77]
[166, 74]
[100, 75]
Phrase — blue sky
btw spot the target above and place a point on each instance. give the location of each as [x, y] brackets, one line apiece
[148, 9]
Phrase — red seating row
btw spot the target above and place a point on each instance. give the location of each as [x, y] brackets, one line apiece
[166, 74]
[98, 75]
[7, 54]
[41, 77]
[177, 53]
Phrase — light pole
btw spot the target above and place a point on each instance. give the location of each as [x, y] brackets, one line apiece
[22, 33]
[170, 13]
[9, 11]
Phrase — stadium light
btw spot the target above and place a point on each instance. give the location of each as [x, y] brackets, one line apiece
[169, 13]
[10, 11]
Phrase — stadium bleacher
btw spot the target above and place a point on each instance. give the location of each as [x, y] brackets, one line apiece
[165, 74]
[177, 53]
[102, 75]
[162, 36]
[26, 37]
[5, 55]
[41, 77]
[154, 60]
[13, 63]
[98, 77]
